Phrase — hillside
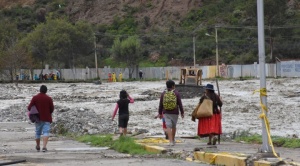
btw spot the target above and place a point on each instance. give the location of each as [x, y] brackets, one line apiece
[166, 27]
[162, 12]
[10, 3]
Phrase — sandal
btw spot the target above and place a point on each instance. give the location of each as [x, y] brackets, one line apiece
[215, 140]
[37, 148]
[45, 150]
[166, 134]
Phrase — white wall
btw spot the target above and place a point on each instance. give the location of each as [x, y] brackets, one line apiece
[281, 69]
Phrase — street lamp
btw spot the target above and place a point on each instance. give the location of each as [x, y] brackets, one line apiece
[217, 50]
[266, 145]
[194, 41]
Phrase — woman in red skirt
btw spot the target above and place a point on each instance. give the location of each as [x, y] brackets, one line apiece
[211, 126]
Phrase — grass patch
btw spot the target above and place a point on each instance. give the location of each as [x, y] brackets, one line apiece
[122, 144]
[128, 145]
[286, 142]
[255, 138]
[277, 141]
[97, 140]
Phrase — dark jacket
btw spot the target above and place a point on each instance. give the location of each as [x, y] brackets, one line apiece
[161, 110]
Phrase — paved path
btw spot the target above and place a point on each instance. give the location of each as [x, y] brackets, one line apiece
[17, 144]
[239, 149]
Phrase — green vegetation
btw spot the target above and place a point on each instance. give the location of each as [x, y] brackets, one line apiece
[122, 144]
[127, 51]
[97, 140]
[277, 141]
[46, 33]
[127, 145]
[286, 142]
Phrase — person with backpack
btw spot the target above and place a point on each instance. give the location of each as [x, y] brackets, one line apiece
[169, 106]
[45, 108]
[122, 106]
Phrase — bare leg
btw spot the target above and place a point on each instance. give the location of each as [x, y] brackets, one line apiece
[173, 133]
[170, 135]
[121, 130]
[37, 142]
[45, 141]
[124, 131]
[209, 139]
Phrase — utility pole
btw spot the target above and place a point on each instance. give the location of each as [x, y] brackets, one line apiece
[261, 51]
[96, 62]
[217, 51]
[194, 47]
[194, 42]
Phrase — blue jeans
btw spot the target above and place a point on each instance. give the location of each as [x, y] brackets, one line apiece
[42, 128]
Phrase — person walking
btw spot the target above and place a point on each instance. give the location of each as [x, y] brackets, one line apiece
[45, 107]
[163, 125]
[211, 126]
[123, 107]
[141, 74]
[169, 106]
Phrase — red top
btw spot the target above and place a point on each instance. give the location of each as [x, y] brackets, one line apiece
[44, 105]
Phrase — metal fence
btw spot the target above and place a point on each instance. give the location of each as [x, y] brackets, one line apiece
[279, 69]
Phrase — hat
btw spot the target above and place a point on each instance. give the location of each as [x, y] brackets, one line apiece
[209, 87]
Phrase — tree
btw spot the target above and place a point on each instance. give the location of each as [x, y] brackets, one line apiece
[12, 56]
[35, 43]
[14, 59]
[128, 51]
[60, 42]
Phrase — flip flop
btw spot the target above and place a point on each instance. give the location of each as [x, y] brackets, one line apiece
[215, 140]
[37, 148]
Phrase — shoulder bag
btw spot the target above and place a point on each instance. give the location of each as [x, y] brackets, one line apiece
[206, 108]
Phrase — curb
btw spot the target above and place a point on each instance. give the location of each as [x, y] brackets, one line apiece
[221, 158]
[224, 158]
[229, 159]
[268, 163]
[154, 149]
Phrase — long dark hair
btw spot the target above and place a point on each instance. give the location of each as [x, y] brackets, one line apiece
[123, 94]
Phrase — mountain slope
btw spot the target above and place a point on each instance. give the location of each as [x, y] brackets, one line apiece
[160, 12]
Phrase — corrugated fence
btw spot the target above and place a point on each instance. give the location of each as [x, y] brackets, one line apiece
[280, 69]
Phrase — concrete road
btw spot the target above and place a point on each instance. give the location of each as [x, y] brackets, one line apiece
[17, 144]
